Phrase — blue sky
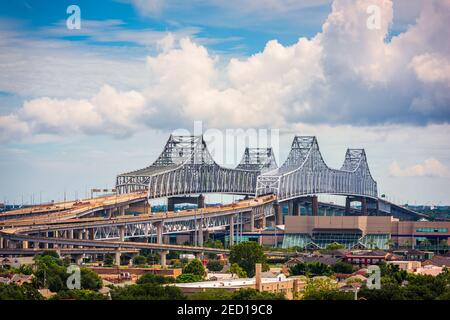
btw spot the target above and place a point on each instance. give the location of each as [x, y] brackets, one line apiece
[78, 107]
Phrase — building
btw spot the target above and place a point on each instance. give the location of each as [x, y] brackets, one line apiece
[408, 266]
[279, 284]
[364, 232]
[438, 261]
[366, 258]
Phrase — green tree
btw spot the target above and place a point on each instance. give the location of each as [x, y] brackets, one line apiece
[335, 246]
[15, 292]
[188, 277]
[147, 291]
[155, 279]
[109, 260]
[237, 270]
[195, 267]
[212, 294]
[324, 289]
[90, 280]
[139, 260]
[342, 267]
[77, 294]
[214, 265]
[252, 294]
[246, 255]
[311, 269]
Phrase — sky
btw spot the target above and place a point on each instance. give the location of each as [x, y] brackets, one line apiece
[79, 106]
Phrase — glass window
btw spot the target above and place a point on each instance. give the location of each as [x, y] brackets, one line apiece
[431, 230]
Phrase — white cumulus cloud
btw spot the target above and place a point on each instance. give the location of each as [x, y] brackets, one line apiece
[428, 168]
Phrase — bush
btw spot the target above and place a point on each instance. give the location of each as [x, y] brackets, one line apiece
[252, 294]
[310, 269]
[214, 265]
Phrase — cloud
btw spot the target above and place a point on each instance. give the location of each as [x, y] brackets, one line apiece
[428, 168]
[347, 74]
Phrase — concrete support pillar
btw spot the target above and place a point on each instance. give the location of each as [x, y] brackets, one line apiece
[200, 233]
[293, 208]
[258, 282]
[56, 236]
[278, 214]
[252, 221]
[159, 232]
[122, 233]
[315, 206]
[201, 201]
[163, 258]
[117, 256]
[347, 205]
[121, 211]
[25, 244]
[80, 237]
[364, 206]
[263, 222]
[70, 236]
[231, 230]
[46, 243]
[1, 243]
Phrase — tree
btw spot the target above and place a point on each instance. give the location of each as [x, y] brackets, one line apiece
[390, 243]
[147, 291]
[214, 265]
[342, 267]
[237, 270]
[155, 279]
[246, 255]
[77, 294]
[311, 269]
[195, 267]
[211, 294]
[15, 292]
[109, 260]
[252, 294]
[324, 289]
[188, 277]
[139, 260]
[90, 280]
[335, 246]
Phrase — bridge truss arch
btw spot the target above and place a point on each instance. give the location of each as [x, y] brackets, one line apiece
[186, 167]
[305, 173]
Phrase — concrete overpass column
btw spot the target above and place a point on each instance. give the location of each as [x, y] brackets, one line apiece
[46, 243]
[70, 236]
[79, 259]
[80, 237]
[122, 233]
[278, 214]
[121, 211]
[163, 258]
[364, 206]
[1, 243]
[117, 256]
[252, 221]
[55, 235]
[231, 230]
[159, 232]
[315, 206]
[200, 233]
[24, 244]
[201, 201]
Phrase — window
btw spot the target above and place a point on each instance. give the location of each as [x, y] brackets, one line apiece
[430, 230]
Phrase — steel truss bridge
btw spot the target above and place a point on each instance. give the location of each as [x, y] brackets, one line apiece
[186, 167]
[305, 173]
